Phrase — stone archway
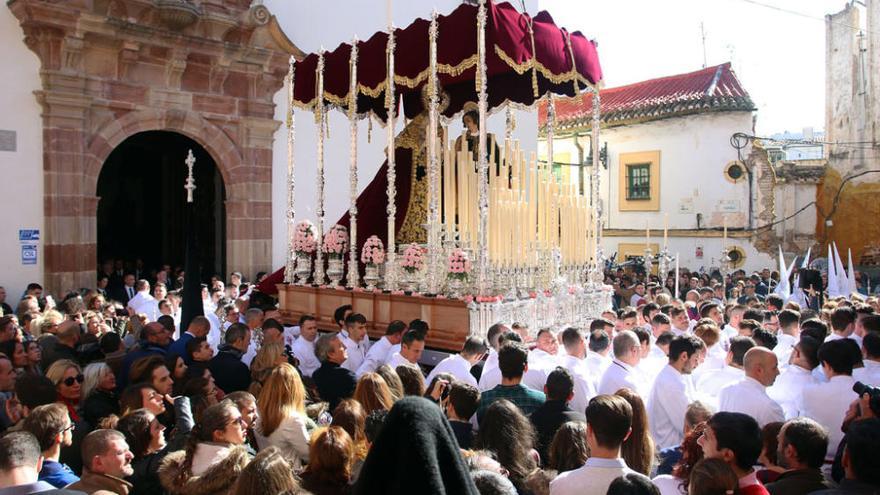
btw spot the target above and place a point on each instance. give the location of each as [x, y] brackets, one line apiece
[112, 69]
[140, 189]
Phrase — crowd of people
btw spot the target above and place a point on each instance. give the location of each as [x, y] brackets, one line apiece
[723, 388]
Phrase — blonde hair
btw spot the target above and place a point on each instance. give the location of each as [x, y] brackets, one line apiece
[93, 374]
[282, 394]
[373, 393]
[58, 368]
[263, 364]
[50, 318]
[266, 357]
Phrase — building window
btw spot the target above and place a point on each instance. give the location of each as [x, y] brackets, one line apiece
[638, 181]
[734, 172]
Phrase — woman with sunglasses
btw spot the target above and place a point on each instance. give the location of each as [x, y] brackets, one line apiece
[68, 378]
[214, 455]
[145, 436]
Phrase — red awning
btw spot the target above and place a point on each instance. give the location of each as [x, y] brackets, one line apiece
[514, 63]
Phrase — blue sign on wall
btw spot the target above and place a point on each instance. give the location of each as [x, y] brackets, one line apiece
[28, 254]
[29, 235]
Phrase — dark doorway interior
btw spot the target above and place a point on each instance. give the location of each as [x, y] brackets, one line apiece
[142, 203]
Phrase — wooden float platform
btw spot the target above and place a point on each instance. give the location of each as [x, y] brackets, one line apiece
[449, 319]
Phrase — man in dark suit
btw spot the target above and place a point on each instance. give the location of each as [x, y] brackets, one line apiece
[555, 411]
[333, 381]
[230, 373]
[126, 291]
[198, 327]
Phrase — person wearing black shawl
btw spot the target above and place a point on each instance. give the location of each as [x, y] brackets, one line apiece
[415, 452]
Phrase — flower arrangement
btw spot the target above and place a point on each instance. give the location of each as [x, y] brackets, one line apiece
[304, 242]
[373, 252]
[335, 241]
[458, 265]
[413, 258]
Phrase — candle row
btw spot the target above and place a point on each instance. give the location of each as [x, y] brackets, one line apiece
[530, 209]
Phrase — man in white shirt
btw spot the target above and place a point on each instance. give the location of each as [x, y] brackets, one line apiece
[379, 352]
[712, 311]
[152, 310]
[575, 362]
[638, 294]
[542, 360]
[622, 372]
[656, 358]
[680, 321]
[870, 374]
[788, 336]
[709, 385]
[863, 312]
[843, 325]
[827, 402]
[353, 338]
[142, 301]
[412, 345]
[492, 336]
[599, 348]
[797, 375]
[304, 347]
[749, 395]
[459, 365]
[609, 423]
[492, 378]
[732, 328]
[672, 392]
[253, 318]
[648, 312]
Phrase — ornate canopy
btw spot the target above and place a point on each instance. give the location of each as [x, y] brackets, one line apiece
[526, 58]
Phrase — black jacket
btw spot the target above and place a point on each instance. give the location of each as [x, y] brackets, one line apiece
[464, 433]
[334, 383]
[418, 441]
[547, 420]
[57, 351]
[230, 374]
[98, 405]
[145, 479]
[797, 482]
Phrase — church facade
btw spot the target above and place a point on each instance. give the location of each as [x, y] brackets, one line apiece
[109, 70]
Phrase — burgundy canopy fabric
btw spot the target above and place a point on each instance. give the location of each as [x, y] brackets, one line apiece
[513, 63]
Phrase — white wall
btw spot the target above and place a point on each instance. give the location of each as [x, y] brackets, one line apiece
[312, 25]
[694, 151]
[21, 189]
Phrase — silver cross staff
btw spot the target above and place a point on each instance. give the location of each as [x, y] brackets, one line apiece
[190, 180]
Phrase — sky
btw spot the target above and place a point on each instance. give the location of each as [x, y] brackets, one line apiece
[778, 56]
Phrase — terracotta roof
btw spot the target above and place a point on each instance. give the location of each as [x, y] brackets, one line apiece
[711, 89]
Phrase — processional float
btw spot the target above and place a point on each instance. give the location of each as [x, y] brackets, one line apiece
[491, 233]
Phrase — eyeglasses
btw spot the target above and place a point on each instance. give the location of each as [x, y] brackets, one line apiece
[69, 428]
[71, 379]
[240, 420]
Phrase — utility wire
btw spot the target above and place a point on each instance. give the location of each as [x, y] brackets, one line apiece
[805, 15]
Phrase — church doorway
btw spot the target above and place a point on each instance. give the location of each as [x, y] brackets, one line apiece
[142, 203]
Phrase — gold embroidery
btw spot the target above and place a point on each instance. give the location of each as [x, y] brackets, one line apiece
[413, 138]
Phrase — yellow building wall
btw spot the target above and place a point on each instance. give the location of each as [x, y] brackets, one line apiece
[855, 219]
